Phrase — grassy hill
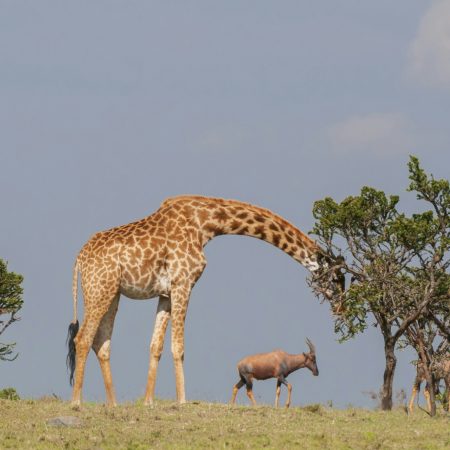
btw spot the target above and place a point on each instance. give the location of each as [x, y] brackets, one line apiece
[23, 424]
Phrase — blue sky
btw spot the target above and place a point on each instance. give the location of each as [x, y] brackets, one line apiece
[107, 108]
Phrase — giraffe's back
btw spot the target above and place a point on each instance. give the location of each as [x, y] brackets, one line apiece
[144, 257]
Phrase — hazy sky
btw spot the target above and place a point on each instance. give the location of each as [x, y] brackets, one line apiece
[108, 107]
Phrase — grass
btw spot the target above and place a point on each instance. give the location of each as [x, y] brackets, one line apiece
[23, 424]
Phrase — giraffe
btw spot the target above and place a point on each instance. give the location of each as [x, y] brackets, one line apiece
[162, 256]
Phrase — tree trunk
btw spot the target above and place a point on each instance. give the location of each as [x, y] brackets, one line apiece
[391, 362]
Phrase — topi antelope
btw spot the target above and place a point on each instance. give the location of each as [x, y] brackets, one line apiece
[277, 364]
[440, 369]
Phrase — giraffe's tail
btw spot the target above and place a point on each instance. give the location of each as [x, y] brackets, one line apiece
[73, 327]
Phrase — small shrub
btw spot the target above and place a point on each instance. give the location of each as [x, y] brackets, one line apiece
[9, 394]
[315, 408]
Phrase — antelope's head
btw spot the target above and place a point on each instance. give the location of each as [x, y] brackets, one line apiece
[310, 361]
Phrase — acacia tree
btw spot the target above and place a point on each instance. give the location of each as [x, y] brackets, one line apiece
[10, 303]
[428, 235]
[397, 265]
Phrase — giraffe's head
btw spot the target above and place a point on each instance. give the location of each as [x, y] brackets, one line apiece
[329, 279]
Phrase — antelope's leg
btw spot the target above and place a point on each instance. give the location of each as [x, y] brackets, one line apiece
[156, 346]
[236, 388]
[102, 348]
[288, 402]
[250, 395]
[277, 395]
[289, 387]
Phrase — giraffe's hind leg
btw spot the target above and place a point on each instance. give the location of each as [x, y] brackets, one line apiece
[415, 390]
[156, 346]
[102, 348]
[96, 306]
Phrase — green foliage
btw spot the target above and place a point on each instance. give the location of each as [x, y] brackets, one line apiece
[394, 261]
[10, 289]
[437, 194]
[9, 394]
[363, 224]
[10, 303]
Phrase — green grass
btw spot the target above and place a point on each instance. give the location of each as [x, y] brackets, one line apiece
[23, 424]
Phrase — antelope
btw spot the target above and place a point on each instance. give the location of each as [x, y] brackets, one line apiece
[277, 364]
[440, 369]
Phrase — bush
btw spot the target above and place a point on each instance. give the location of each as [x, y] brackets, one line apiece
[9, 394]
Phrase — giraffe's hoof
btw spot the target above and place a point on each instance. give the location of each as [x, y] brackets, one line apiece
[75, 405]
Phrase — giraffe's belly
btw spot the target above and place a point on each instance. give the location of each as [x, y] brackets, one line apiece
[148, 288]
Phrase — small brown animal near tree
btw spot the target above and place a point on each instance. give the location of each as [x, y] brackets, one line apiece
[277, 364]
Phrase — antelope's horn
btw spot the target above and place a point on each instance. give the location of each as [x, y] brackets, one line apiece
[312, 349]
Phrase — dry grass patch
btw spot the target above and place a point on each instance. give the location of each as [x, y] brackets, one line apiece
[209, 425]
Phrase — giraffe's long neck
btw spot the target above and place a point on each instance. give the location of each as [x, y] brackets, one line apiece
[218, 217]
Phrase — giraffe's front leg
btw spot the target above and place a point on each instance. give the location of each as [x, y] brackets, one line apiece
[180, 299]
[415, 390]
[156, 346]
[426, 394]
